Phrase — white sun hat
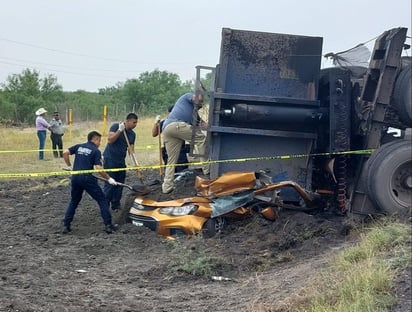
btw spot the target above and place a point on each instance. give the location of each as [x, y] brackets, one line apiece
[40, 111]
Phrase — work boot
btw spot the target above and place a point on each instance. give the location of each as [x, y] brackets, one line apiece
[167, 190]
[66, 229]
[116, 207]
[110, 228]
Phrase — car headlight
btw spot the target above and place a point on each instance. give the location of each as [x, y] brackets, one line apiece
[178, 211]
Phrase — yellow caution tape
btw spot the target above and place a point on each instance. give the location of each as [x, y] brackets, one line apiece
[198, 163]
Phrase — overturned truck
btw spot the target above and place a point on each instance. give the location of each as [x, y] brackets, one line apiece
[275, 112]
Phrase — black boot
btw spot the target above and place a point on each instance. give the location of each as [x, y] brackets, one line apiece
[66, 229]
[110, 228]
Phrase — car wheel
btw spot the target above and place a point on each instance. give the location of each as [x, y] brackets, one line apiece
[212, 227]
[390, 178]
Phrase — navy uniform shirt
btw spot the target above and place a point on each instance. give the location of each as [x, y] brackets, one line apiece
[87, 155]
[117, 150]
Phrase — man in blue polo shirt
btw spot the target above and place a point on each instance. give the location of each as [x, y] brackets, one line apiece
[182, 159]
[87, 157]
[177, 129]
[115, 156]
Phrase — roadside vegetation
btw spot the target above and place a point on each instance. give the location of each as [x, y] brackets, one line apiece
[149, 94]
[359, 278]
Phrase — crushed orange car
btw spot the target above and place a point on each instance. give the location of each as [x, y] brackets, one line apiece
[232, 195]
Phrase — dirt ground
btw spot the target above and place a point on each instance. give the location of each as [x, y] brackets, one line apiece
[136, 270]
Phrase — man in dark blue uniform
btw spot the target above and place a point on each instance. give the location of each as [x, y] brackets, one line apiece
[115, 153]
[87, 157]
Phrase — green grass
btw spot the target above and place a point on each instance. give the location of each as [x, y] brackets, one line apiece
[194, 259]
[359, 278]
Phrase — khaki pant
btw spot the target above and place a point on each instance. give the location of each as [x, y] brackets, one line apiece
[174, 135]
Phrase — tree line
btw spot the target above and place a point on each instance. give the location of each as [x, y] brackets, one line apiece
[147, 95]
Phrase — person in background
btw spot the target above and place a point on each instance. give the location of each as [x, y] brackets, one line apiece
[56, 136]
[87, 157]
[183, 151]
[114, 156]
[177, 129]
[41, 127]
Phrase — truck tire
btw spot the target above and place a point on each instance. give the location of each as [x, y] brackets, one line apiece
[384, 148]
[376, 155]
[390, 178]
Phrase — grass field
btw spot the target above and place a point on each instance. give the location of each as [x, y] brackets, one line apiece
[19, 147]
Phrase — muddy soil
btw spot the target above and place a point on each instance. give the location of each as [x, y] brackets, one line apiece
[260, 263]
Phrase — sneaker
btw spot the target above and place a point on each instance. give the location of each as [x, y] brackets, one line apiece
[66, 229]
[110, 228]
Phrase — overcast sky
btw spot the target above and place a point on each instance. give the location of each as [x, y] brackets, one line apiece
[92, 44]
